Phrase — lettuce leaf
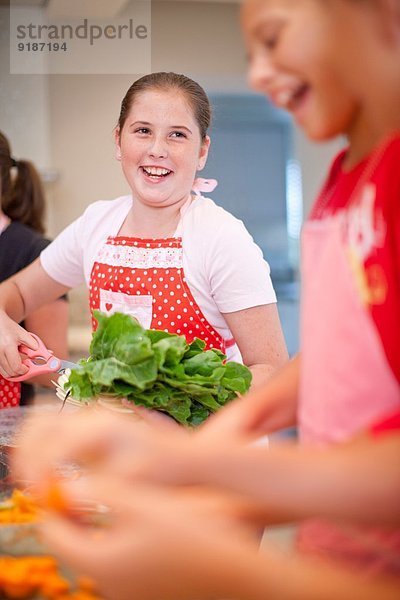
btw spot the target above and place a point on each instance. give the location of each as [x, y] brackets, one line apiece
[156, 369]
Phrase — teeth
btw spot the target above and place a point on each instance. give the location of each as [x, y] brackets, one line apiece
[283, 99]
[158, 171]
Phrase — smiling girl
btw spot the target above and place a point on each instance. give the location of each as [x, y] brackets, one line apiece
[164, 254]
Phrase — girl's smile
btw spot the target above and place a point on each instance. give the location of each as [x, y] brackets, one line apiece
[292, 48]
[318, 59]
[156, 174]
[160, 148]
[291, 98]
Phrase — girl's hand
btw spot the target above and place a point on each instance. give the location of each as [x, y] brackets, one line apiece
[98, 440]
[157, 543]
[169, 544]
[155, 418]
[12, 335]
[270, 408]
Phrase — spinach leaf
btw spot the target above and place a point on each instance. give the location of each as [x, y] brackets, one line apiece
[157, 370]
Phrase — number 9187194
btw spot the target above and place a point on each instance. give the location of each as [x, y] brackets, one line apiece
[42, 47]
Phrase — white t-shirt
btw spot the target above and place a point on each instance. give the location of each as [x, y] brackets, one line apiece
[224, 268]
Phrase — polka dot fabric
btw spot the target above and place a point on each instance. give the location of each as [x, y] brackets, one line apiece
[10, 393]
[128, 269]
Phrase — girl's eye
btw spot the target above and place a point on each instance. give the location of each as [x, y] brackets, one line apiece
[270, 34]
[178, 134]
[270, 42]
[143, 130]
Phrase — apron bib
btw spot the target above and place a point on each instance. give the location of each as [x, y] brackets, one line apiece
[346, 385]
[145, 278]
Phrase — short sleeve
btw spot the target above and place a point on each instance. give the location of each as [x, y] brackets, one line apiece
[238, 274]
[63, 258]
[70, 258]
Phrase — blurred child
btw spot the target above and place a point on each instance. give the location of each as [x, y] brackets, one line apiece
[305, 56]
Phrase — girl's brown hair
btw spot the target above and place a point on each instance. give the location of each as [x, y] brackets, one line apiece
[22, 196]
[194, 93]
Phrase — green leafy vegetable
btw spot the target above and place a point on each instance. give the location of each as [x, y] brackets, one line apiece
[157, 370]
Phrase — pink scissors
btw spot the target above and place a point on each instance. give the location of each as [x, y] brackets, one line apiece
[40, 361]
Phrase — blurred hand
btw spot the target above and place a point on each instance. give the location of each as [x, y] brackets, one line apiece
[154, 418]
[256, 414]
[165, 544]
[153, 450]
[97, 440]
[156, 544]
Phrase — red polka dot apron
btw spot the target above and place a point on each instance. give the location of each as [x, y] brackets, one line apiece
[145, 278]
[10, 393]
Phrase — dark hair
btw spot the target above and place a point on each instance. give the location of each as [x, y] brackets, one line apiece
[194, 93]
[22, 196]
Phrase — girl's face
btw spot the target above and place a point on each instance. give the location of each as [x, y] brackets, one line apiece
[160, 148]
[301, 57]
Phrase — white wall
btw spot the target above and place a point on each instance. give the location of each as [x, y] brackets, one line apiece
[315, 160]
[24, 105]
[24, 109]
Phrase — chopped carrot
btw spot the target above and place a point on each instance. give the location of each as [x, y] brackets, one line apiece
[27, 576]
[18, 508]
[55, 498]
[23, 577]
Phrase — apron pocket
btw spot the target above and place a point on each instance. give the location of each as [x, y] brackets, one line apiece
[140, 307]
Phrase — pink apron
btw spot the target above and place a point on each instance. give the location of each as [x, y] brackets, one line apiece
[346, 385]
[145, 278]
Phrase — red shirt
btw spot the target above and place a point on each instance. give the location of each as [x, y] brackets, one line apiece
[369, 198]
[388, 425]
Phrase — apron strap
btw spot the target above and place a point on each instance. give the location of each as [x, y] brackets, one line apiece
[229, 343]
